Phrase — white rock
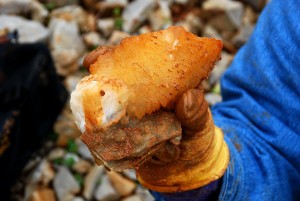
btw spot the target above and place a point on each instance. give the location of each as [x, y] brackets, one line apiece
[43, 174]
[213, 98]
[133, 198]
[106, 26]
[123, 185]
[136, 13]
[233, 12]
[65, 185]
[29, 31]
[15, 7]
[90, 181]
[105, 191]
[72, 80]
[84, 151]
[66, 45]
[43, 194]
[74, 157]
[161, 17]
[116, 37]
[78, 199]
[82, 166]
[192, 23]
[256, 4]
[56, 153]
[211, 32]
[93, 39]
[38, 11]
[220, 67]
[144, 194]
[75, 13]
[130, 173]
[144, 29]
[243, 35]
[119, 2]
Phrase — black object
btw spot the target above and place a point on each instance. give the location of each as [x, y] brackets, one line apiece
[31, 97]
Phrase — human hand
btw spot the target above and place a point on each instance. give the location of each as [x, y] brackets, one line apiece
[200, 157]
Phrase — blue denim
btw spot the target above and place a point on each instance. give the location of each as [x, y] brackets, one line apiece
[260, 112]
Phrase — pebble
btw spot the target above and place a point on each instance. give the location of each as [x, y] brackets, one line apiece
[161, 17]
[15, 7]
[66, 45]
[116, 37]
[213, 98]
[133, 198]
[93, 39]
[106, 26]
[135, 13]
[243, 35]
[130, 173]
[192, 23]
[82, 166]
[84, 151]
[65, 185]
[38, 12]
[123, 185]
[56, 153]
[43, 194]
[231, 14]
[105, 191]
[90, 181]
[42, 174]
[220, 67]
[29, 31]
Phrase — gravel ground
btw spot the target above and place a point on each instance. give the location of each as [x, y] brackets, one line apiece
[63, 168]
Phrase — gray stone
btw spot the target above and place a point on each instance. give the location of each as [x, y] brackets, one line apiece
[65, 185]
[72, 80]
[56, 153]
[106, 26]
[29, 31]
[213, 98]
[78, 199]
[130, 173]
[256, 4]
[136, 13]
[116, 37]
[75, 13]
[43, 174]
[105, 191]
[15, 7]
[243, 35]
[210, 32]
[84, 151]
[220, 67]
[82, 166]
[90, 181]
[192, 23]
[66, 45]
[93, 39]
[144, 194]
[123, 185]
[230, 17]
[38, 11]
[133, 198]
[161, 17]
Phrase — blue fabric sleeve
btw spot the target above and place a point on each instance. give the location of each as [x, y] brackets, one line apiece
[260, 112]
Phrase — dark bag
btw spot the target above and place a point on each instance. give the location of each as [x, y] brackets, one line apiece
[31, 97]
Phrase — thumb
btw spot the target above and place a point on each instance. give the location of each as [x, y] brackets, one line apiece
[192, 111]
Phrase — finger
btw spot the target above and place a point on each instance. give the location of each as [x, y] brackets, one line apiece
[191, 109]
